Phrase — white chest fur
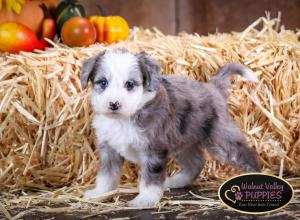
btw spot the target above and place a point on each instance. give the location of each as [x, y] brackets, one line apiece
[120, 134]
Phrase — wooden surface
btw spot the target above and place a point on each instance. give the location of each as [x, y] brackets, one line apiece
[201, 16]
[206, 16]
[183, 211]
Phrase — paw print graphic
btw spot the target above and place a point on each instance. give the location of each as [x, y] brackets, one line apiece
[238, 196]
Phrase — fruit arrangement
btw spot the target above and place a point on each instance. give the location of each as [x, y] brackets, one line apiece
[21, 31]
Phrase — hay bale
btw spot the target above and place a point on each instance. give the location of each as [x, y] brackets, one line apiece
[45, 135]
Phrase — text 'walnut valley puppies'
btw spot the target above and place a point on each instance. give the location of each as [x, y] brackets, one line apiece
[145, 117]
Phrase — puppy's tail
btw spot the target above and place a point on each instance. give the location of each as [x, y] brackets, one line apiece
[222, 79]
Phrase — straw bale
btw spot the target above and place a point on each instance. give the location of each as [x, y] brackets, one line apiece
[46, 139]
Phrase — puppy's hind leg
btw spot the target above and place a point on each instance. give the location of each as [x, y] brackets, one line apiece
[191, 161]
[229, 146]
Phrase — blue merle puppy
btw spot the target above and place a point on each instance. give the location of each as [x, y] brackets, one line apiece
[146, 117]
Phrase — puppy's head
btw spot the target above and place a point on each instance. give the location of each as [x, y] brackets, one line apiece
[122, 82]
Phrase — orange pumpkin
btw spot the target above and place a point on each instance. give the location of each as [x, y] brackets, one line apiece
[31, 15]
[110, 29]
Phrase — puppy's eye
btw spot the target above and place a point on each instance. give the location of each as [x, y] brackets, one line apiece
[129, 85]
[103, 83]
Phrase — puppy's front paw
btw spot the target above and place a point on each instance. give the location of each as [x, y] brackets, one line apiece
[93, 194]
[142, 202]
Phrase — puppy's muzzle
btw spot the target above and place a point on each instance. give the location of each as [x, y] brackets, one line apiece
[114, 106]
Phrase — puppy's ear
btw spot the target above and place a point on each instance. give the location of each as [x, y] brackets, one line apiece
[150, 69]
[88, 69]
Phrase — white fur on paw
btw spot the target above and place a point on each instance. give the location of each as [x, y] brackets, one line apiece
[179, 180]
[104, 184]
[93, 194]
[142, 202]
[172, 183]
[169, 183]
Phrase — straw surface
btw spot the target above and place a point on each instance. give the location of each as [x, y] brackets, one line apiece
[46, 139]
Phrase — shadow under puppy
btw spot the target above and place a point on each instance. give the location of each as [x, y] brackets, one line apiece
[146, 117]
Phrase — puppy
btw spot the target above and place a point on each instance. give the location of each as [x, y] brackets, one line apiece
[145, 117]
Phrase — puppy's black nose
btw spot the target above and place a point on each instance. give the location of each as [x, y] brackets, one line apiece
[114, 106]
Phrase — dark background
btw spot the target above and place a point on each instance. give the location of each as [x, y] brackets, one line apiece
[201, 16]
